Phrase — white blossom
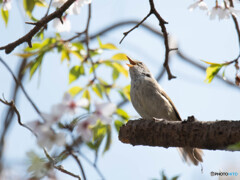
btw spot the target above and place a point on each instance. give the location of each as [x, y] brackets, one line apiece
[84, 129]
[70, 106]
[75, 8]
[7, 5]
[46, 137]
[200, 4]
[65, 27]
[103, 113]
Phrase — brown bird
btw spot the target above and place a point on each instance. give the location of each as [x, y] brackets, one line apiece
[150, 101]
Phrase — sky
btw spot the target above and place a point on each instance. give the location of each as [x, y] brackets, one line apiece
[197, 36]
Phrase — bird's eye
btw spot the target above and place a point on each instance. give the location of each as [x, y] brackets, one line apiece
[140, 63]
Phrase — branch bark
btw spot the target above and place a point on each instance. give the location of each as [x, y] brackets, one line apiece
[210, 135]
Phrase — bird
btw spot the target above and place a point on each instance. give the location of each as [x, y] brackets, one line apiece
[150, 101]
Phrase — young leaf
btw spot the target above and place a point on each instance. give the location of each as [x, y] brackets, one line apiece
[98, 90]
[36, 64]
[29, 6]
[126, 92]
[106, 46]
[65, 55]
[109, 139]
[86, 94]
[5, 16]
[75, 72]
[40, 3]
[120, 56]
[212, 71]
[118, 124]
[120, 68]
[25, 55]
[75, 90]
[122, 113]
[115, 74]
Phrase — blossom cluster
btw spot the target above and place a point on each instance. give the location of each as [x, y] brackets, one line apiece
[75, 8]
[47, 137]
[223, 11]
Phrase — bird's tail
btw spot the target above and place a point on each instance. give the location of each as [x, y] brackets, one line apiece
[191, 155]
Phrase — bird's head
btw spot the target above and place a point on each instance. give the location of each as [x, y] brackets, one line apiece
[138, 69]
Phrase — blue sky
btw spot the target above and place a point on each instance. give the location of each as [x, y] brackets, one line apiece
[197, 36]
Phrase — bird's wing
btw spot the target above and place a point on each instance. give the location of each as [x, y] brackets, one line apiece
[170, 101]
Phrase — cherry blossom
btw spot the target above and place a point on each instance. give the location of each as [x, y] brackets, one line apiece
[200, 4]
[70, 106]
[7, 5]
[84, 129]
[46, 137]
[65, 27]
[103, 113]
[75, 8]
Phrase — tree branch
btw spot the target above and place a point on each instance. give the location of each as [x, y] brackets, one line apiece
[41, 23]
[191, 133]
[23, 89]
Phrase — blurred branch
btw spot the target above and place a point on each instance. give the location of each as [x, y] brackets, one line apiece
[10, 113]
[94, 165]
[23, 89]
[38, 25]
[12, 105]
[60, 168]
[79, 164]
[191, 133]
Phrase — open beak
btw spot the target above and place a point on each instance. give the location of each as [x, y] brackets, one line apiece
[132, 63]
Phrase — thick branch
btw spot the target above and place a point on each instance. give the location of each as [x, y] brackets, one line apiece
[38, 25]
[191, 133]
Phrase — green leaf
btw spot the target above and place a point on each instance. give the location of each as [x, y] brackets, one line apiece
[115, 74]
[29, 6]
[126, 92]
[212, 71]
[75, 72]
[65, 55]
[118, 124]
[24, 55]
[211, 63]
[109, 139]
[35, 46]
[175, 177]
[78, 45]
[120, 56]
[77, 54]
[120, 69]
[36, 64]
[91, 68]
[98, 90]
[75, 90]
[86, 94]
[122, 113]
[40, 3]
[106, 46]
[5, 16]
[234, 147]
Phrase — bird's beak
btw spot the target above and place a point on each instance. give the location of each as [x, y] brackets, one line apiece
[132, 63]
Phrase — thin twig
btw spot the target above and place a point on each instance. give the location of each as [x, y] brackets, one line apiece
[23, 89]
[137, 25]
[60, 168]
[162, 23]
[79, 164]
[12, 105]
[94, 165]
[41, 23]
